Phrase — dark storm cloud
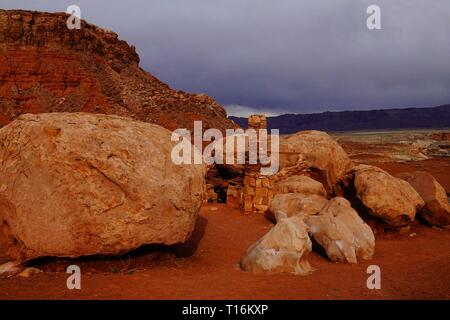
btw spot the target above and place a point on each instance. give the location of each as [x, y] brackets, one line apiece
[285, 55]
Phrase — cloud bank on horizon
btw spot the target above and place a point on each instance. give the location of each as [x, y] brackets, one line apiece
[284, 56]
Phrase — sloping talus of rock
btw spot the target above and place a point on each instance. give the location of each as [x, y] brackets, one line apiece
[45, 67]
[76, 184]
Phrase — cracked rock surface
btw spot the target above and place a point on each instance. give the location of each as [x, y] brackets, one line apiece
[76, 184]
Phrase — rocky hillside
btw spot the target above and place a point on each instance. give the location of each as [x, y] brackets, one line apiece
[409, 118]
[45, 67]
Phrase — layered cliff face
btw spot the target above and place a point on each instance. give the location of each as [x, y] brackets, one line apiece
[45, 67]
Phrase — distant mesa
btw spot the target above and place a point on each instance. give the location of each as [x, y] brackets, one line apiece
[45, 67]
[408, 118]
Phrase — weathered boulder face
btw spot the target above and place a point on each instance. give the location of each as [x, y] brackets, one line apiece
[4, 246]
[283, 249]
[436, 210]
[11, 268]
[341, 232]
[299, 184]
[323, 155]
[74, 184]
[386, 197]
[296, 204]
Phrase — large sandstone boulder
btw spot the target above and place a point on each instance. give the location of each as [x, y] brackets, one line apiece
[283, 249]
[386, 197]
[74, 184]
[322, 154]
[296, 204]
[299, 184]
[436, 210]
[341, 232]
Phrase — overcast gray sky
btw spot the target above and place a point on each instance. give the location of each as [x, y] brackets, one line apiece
[277, 56]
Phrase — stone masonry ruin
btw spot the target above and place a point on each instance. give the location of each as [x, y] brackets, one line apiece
[241, 186]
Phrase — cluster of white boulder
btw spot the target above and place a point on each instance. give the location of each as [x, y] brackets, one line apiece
[306, 209]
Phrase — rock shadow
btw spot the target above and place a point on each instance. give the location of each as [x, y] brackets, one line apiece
[144, 257]
[188, 249]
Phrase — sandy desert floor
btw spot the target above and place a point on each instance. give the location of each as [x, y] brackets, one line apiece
[207, 266]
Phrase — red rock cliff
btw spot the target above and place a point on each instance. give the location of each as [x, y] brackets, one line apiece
[45, 67]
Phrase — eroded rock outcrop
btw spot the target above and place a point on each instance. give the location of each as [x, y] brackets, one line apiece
[75, 184]
[45, 67]
[341, 232]
[284, 248]
[391, 199]
[437, 209]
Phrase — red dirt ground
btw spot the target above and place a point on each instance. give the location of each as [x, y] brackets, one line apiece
[207, 266]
